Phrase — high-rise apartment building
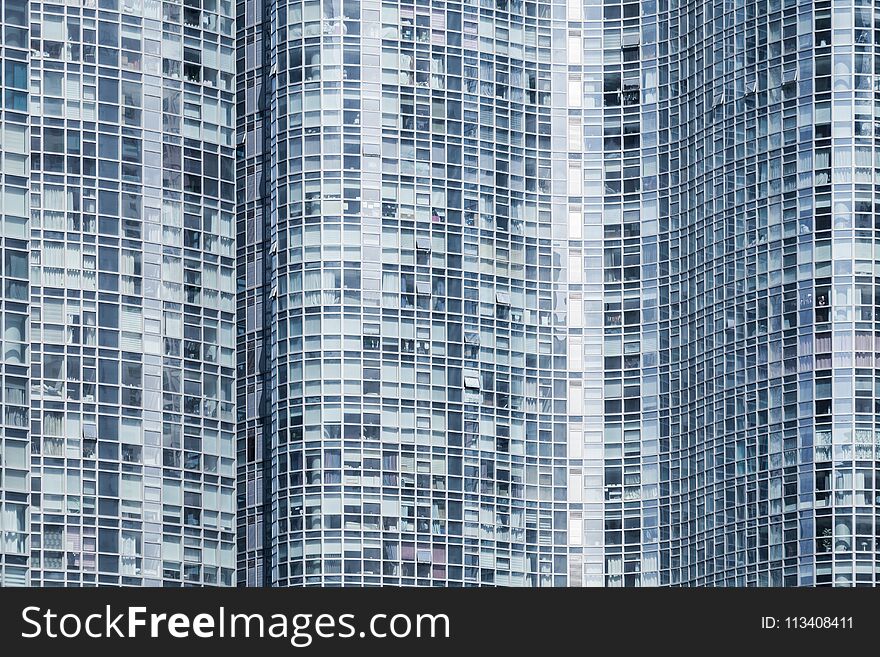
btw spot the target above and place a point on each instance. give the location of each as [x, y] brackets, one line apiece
[561, 293]
[408, 299]
[118, 293]
[497, 292]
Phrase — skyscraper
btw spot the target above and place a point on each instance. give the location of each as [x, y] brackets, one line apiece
[562, 293]
[539, 293]
[413, 300]
[118, 246]
[766, 333]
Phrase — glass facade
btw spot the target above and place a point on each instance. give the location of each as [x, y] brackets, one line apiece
[496, 292]
[762, 155]
[417, 302]
[118, 293]
[565, 293]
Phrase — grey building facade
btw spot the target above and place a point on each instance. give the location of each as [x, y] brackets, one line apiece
[118, 298]
[353, 292]
[567, 294]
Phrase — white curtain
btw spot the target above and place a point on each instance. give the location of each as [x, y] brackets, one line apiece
[842, 72]
[171, 213]
[53, 446]
[226, 279]
[438, 73]
[14, 517]
[391, 289]
[53, 220]
[172, 291]
[128, 285]
[15, 328]
[209, 298]
[129, 544]
[53, 264]
[312, 287]
[53, 254]
[864, 341]
[129, 263]
[16, 393]
[53, 197]
[152, 8]
[319, 287]
[53, 424]
[209, 276]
